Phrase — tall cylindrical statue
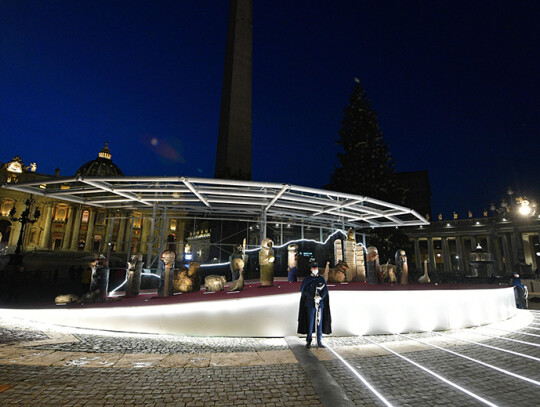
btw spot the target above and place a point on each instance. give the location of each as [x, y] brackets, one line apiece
[266, 262]
[133, 280]
[292, 263]
[239, 252]
[166, 274]
[100, 278]
[373, 269]
[402, 269]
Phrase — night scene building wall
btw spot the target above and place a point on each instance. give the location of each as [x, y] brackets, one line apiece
[70, 227]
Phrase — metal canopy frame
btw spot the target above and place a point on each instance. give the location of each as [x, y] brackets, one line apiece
[226, 200]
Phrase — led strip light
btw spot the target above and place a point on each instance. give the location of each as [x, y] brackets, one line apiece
[512, 332]
[359, 376]
[489, 346]
[438, 376]
[507, 372]
[508, 339]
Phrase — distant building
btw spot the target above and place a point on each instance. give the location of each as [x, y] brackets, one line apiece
[69, 227]
[493, 246]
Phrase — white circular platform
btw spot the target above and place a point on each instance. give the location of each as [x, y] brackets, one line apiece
[353, 313]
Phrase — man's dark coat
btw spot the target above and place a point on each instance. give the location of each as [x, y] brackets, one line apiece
[307, 301]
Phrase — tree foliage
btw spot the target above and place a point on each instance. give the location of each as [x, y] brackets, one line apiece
[366, 165]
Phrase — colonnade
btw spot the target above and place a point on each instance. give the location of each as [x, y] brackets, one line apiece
[447, 247]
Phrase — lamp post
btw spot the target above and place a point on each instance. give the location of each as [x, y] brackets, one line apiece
[517, 210]
[24, 219]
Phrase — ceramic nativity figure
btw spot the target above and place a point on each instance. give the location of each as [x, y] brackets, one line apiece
[402, 269]
[99, 282]
[373, 269]
[266, 262]
[133, 280]
[239, 252]
[292, 263]
[166, 284]
[353, 254]
[187, 280]
[314, 309]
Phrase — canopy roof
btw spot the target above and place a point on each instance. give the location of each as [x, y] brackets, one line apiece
[226, 199]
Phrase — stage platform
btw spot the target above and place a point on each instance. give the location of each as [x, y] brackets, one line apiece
[357, 309]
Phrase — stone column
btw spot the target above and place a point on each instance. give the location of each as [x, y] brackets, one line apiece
[121, 234]
[461, 256]
[90, 231]
[76, 229]
[498, 255]
[109, 232]
[67, 232]
[431, 256]
[145, 231]
[447, 258]
[417, 254]
[532, 252]
[14, 235]
[508, 261]
[46, 237]
[473, 242]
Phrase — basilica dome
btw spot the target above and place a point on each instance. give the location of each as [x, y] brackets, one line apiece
[102, 166]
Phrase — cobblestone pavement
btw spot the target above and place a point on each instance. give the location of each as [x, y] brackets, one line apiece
[42, 365]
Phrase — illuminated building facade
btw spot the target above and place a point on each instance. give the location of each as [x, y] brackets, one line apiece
[73, 227]
[503, 241]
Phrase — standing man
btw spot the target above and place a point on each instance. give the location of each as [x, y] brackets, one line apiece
[314, 308]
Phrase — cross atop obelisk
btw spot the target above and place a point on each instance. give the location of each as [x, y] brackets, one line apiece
[233, 158]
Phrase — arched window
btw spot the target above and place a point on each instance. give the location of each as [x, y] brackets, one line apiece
[100, 217]
[6, 207]
[137, 220]
[96, 243]
[60, 213]
[85, 216]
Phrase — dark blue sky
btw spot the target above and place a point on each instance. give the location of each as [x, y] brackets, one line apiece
[455, 85]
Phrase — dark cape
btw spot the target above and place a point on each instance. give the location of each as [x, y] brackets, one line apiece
[303, 316]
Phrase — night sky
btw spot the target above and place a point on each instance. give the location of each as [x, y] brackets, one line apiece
[455, 85]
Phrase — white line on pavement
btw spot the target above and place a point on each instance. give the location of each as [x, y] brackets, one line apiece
[438, 376]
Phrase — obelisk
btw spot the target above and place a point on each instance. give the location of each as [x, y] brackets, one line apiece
[233, 160]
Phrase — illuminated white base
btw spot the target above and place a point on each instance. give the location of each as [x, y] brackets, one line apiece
[353, 313]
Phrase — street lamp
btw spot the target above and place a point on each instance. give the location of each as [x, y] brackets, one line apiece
[525, 207]
[24, 219]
